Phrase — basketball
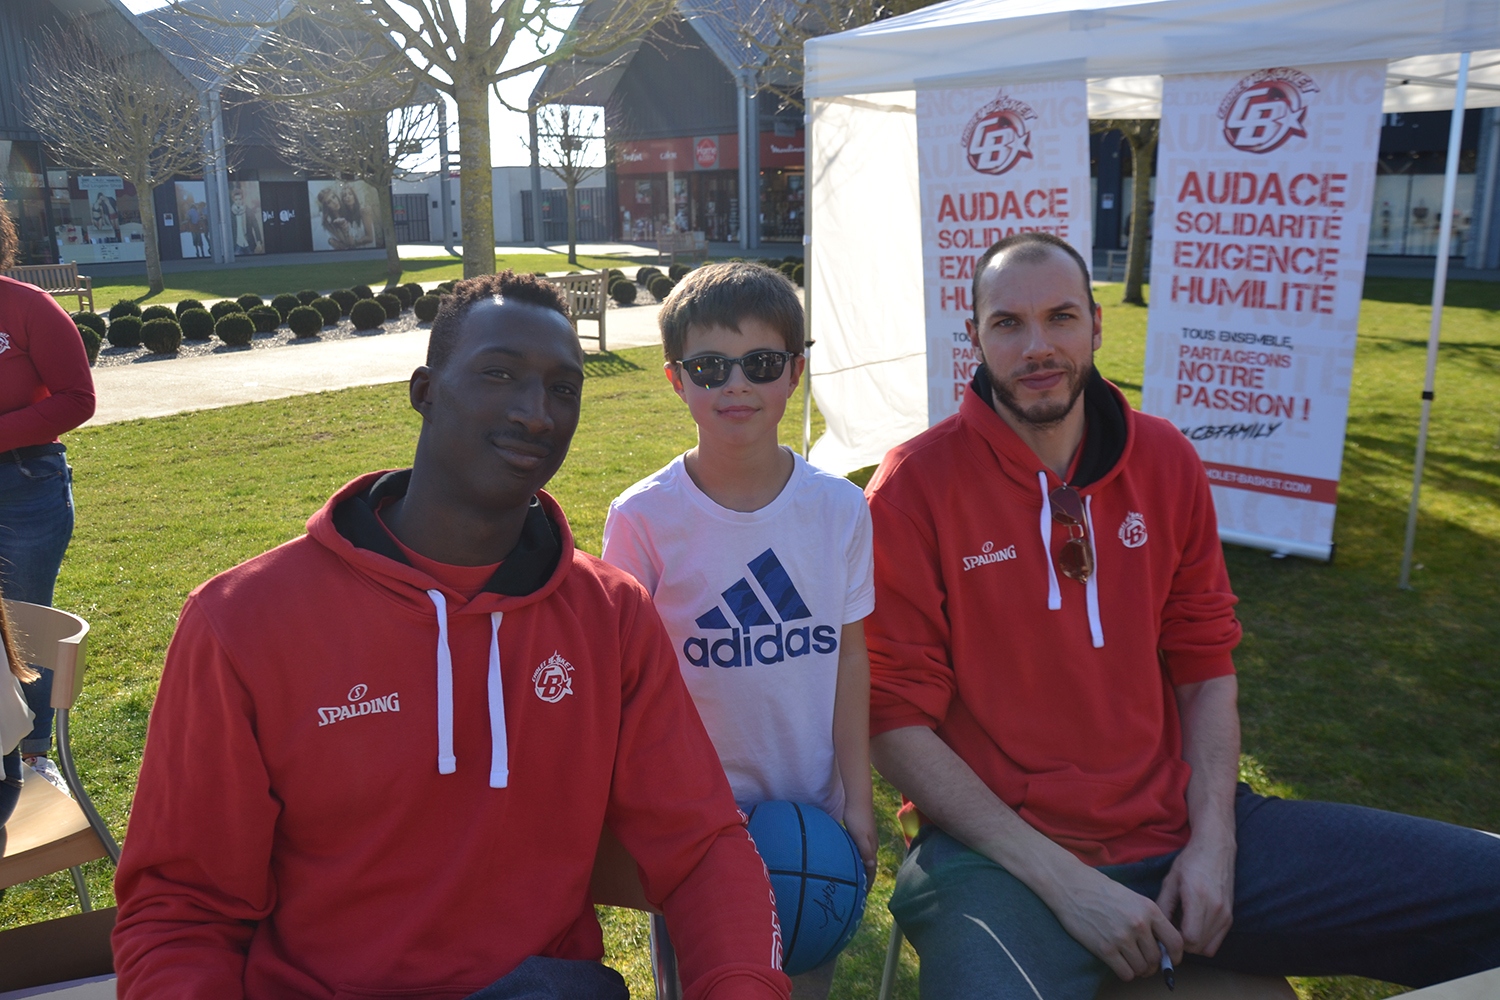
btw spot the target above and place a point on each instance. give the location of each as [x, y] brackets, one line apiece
[817, 877]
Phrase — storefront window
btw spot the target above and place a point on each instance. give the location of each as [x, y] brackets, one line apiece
[26, 199]
[781, 204]
[96, 218]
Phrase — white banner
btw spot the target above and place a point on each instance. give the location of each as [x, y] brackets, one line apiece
[1263, 193]
[991, 164]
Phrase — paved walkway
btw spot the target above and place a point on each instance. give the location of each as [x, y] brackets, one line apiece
[159, 388]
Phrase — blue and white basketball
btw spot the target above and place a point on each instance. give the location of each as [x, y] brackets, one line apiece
[817, 876]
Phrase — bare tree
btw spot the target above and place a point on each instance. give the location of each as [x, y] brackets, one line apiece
[463, 50]
[103, 107]
[566, 138]
[1141, 134]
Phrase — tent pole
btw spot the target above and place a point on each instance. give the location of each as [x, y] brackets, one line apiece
[807, 174]
[1439, 290]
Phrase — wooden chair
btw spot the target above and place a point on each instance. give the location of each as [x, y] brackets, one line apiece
[617, 882]
[57, 279]
[588, 298]
[71, 954]
[49, 832]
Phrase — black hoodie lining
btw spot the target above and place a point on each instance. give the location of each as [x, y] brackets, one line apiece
[526, 567]
[1104, 442]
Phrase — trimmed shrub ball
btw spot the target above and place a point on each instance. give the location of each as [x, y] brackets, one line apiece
[265, 318]
[415, 290]
[161, 335]
[235, 329]
[614, 273]
[92, 320]
[123, 308]
[187, 304]
[391, 303]
[644, 276]
[157, 312]
[367, 314]
[623, 292]
[403, 293]
[344, 298]
[223, 308]
[327, 308]
[248, 301]
[306, 321]
[661, 286]
[198, 324]
[362, 292]
[677, 271]
[307, 295]
[447, 287]
[798, 273]
[91, 341]
[284, 304]
[426, 307]
[125, 332]
[786, 267]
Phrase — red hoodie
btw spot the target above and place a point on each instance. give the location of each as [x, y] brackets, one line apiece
[1058, 695]
[45, 385]
[358, 784]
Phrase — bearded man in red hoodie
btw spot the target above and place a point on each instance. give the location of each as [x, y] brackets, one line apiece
[383, 753]
[1052, 689]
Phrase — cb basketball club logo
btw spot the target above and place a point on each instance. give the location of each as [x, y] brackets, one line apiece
[999, 135]
[1267, 108]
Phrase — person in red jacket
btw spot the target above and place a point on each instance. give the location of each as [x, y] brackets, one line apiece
[45, 391]
[1053, 691]
[383, 753]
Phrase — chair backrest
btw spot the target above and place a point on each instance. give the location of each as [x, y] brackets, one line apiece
[53, 639]
[586, 293]
[617, 879]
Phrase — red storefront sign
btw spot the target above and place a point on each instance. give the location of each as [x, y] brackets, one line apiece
[783, 151]
[657, 156]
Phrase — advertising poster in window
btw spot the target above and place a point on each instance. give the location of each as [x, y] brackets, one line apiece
[245, 221]
[345, 215]
[1263, 206]
[192, 219]
[991, 163]
[100, 221]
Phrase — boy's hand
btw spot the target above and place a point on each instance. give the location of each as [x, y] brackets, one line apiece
[859, 820]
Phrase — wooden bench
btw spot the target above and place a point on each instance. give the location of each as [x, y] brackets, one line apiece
[669, 245]
[588, 298]
[57, 279]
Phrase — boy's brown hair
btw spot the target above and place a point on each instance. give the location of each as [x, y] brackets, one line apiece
[725, 294]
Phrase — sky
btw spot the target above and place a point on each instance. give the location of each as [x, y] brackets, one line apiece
[508, 130]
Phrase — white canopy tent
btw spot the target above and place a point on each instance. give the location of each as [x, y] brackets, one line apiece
[865, 297]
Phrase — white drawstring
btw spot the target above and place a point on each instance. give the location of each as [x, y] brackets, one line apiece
[447, 763]
[1054, 595]
[1091, 588]
[499, 749]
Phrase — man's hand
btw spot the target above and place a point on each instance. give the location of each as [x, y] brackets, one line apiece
[859, 820]
[1121, 927]
[1201, 886]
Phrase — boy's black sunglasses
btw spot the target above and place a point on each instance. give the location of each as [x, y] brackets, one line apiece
[712, 370]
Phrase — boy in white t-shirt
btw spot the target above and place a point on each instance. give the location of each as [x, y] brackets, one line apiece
[759, 564]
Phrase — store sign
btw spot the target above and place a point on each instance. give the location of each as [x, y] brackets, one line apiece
[706, 153]
[991, 164]
[108, 182]
[1263, 198]
[778, 151]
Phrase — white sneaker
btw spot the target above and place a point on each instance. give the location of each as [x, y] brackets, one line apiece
[48, 770]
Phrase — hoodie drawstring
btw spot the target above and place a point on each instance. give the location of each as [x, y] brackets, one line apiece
[1091, 586]
[499, 748]
[1054, 595]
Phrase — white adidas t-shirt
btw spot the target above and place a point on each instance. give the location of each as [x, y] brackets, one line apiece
[755, 604]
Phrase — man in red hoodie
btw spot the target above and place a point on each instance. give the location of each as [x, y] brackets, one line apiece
[383, 753]
[1053, 691]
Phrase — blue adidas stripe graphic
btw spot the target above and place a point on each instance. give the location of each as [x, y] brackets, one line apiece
[777, 584]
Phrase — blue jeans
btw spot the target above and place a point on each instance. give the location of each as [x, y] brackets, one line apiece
[1320, 890]
[10, 784]
[36, 524]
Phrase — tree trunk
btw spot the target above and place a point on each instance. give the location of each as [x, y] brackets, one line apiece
[1142, 152]
[388, 227]
[146, 198]
[572, 221]
[475, 178]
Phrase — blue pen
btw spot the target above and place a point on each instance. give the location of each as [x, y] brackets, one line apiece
[1167, 972]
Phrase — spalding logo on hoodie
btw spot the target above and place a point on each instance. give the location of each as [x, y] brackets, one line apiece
[758, 636]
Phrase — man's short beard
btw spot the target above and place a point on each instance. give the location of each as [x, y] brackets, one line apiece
[1043, 415]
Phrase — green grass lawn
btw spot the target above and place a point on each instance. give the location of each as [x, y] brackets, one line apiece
[1351, 689]
[271, 280]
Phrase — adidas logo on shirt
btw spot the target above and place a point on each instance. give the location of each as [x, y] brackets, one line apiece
[759, 637]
